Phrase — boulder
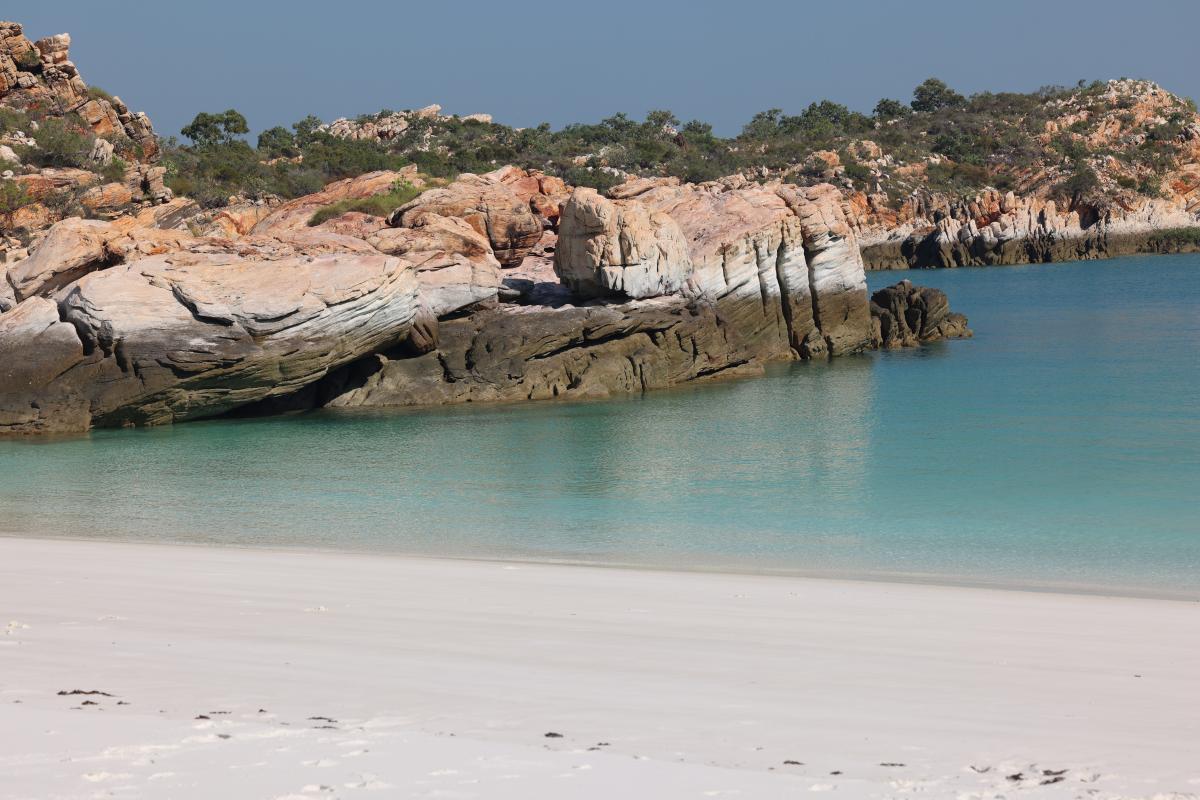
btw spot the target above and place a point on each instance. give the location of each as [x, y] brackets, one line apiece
[836, 275]
[907, 315]
[608, 247]
[780, 261]
[489, 205]
[75, 247]
[109, 197]
[8, 298]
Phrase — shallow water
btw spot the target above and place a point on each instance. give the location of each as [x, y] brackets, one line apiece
[1059, 448]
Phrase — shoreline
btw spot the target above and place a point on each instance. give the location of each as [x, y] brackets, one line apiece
[927, 579]
[275, 673]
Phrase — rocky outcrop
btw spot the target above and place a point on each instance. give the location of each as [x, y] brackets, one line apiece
[164, 339]
[453, 262]
[41, 75]
[760, 274]
[517, 352]
[490, 204]
[906, 316]
[386, 126]
[115, 323]
[779, 260]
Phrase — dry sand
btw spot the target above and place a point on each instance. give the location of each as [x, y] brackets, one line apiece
[260, 674]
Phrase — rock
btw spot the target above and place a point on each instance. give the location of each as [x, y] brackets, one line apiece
[102, 152]
[453, 261]
[908, 315]
[164, 339]
[387, 126]
[41, 76]
[538, 353]
[146, 180]
[50, 181]
[231, 222]
[780, 261]
[75, 247]
[836, 274]
[109, 197]
[294, 215]
[489, 205]
[8, 297]
[608, 247]
[9, 155]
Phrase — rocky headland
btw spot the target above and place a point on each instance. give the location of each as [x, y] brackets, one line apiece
[123, 302]
[503, 286]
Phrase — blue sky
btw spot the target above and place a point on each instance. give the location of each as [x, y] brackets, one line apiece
[527, 63]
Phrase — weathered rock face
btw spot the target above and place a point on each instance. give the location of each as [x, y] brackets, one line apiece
[389, 126]
[174, 337]
[619, 247]
[453, 261]
[539, 353]
[907, 315]
[778, 260]
[75, 247]
[488, 204]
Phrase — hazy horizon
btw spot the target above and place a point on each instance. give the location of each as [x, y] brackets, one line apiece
[524, 66]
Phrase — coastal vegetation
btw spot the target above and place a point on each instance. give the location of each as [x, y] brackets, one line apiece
[1067, 142]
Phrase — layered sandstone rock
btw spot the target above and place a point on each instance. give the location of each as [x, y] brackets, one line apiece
[453, 262]
[391, 125]
[490, 204]
[619, 247]
[154, 341]
[114, 323]
[780, 261]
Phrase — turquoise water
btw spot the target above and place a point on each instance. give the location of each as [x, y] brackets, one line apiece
[1060, 447]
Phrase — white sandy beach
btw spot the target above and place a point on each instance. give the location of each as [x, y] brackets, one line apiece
[261, 674]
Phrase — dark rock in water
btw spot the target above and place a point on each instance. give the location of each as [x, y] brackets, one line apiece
[906, 315]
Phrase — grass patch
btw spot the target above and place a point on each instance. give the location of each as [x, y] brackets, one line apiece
[379, 205]
[1179, 236]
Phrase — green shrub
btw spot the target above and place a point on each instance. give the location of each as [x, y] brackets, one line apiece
[29, 61]
[96, 93]
[599, 179]
[12, 197]
[1180, 236]
[379, 205]
[13, 120]
[114, 171]
[934, 95]
[60, 143]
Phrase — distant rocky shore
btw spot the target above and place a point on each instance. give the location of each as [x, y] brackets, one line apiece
[994, 229]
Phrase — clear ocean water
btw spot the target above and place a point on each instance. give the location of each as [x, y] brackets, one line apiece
[1060, 448]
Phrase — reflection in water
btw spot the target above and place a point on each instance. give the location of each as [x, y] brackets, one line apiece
[1061, 445]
